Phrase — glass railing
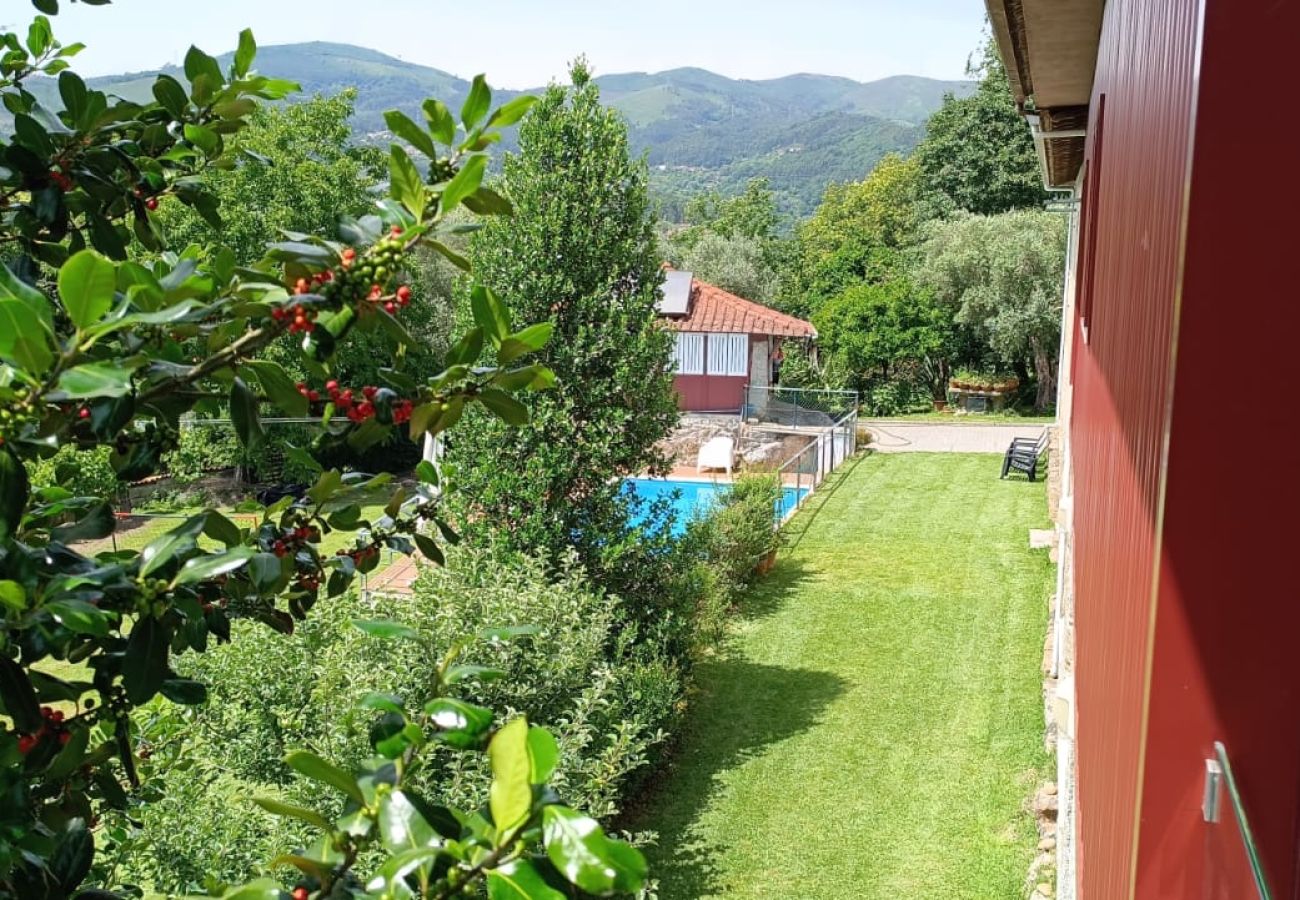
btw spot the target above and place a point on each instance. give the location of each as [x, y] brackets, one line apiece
[1243, 824]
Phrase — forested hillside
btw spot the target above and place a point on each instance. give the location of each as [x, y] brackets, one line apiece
[700, 130]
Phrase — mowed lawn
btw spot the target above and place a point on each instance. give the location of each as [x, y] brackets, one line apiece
[874, 728]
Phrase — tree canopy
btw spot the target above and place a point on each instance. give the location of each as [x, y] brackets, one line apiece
[977, 151]
[580, 254]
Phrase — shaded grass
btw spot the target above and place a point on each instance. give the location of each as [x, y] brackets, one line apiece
[874, 728]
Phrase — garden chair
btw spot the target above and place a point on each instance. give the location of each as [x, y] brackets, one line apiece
[716, 453]
[1023, 455]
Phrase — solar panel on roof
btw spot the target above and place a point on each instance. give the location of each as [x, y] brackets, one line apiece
[675, 295]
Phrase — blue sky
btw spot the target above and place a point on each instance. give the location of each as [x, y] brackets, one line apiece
[525, 43]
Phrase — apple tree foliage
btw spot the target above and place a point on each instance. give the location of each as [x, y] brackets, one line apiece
[98, 350]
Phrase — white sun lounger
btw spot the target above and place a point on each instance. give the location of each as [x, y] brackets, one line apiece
[716, 453]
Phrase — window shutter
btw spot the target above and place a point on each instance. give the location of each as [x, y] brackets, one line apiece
[688, 353]
[728, 354]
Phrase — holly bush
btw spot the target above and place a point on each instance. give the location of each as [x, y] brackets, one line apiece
[100, 350]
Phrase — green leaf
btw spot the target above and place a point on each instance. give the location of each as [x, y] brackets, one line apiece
[219, 528]
[266, 570]
[487, 202]
[476, 103]
[18, 696]
[243, 413]
[387, 629]
[170, 95]
[531, 339]
[12, 595]
[510, 796]
[277, 385]
[578, 847]
[87, 282]
[98, 379]
[14, 491]
[205, 139]
[317, 769]
[429, 547]
[79, 616]
[70, 862]
[210, 565]
[462, 725]
[262, 889]
[402, 826]
[519, 880]
[13, 286]
[400, 124]
[24, 340]
[185, 691]
[244, 53]
[490, 314]
[503, 406]
[166, 547]
[452, 256]
[96, 523]
[511, 112]
[441, 124]
[144, 667]
[198, 63]
[464, 183]
[301, 813]
[404, 182]
[543, 754]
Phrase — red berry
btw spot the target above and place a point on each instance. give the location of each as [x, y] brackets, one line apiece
[349, 253]
[83, 413]
[369, 391]
[390, 307]
[151, 204]
[313, 396]
[27, 743]
[403, 295]
[396, 231]
[332, 386]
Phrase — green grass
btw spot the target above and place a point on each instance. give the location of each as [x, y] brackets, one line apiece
[874, 728]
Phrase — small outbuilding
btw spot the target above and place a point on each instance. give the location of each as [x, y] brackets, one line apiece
[724, 342]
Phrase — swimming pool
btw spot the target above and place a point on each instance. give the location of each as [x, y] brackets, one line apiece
[693, 498]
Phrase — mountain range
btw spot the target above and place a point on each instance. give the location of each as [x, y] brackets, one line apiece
[700, 130]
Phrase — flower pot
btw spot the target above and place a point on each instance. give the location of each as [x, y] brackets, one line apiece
[940, 405]
[767, 563]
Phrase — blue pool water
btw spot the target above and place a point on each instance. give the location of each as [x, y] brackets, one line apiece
[693, 498]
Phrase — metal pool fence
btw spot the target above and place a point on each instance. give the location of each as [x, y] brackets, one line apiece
[797, 407]
[824, 453]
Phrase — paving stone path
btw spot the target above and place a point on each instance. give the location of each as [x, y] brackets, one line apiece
[890, 436]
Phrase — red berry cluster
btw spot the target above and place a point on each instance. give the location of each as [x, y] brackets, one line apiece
[294, 539]
[299, 317]
[359, 410]
[53, 727]
[150, 203]
[361, 554]
[61, 180]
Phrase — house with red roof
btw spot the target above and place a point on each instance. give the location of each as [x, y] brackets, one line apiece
[723, 342]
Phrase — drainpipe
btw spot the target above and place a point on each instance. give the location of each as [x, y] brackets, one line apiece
[1040, 144]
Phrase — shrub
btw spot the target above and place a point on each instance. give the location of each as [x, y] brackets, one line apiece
[604, 693]
[87, 473]
[739, 531]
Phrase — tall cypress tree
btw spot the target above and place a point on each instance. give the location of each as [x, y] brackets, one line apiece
[579, 252]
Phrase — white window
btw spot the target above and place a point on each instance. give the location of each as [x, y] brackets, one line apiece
[688, 354]
[728, 354]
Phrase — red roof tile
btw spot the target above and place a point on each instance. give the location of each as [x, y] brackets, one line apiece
[717, 311]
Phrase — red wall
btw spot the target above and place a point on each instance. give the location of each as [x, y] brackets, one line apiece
[1228, 617]
[1121, 382]
[714, 393]
[1179, 567]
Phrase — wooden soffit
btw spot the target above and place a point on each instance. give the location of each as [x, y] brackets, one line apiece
[1050, 51]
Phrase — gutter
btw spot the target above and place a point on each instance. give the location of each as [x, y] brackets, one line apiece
[1040, 144]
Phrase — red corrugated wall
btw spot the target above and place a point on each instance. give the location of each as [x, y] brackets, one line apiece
[1228, 620]
[1183, 574]
[1121, 383]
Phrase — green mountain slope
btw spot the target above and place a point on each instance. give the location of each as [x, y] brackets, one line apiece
[698, 129]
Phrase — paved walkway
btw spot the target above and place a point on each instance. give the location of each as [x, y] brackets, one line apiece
[891, 436]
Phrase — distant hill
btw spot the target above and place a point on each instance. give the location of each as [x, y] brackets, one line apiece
[699, 129]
